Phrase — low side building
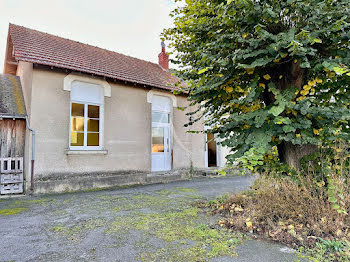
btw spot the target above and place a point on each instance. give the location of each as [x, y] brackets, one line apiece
[12, 134]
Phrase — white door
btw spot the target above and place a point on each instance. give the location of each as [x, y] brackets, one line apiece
[161, 133]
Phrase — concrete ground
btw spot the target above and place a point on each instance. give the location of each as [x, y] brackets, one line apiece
[144, 223]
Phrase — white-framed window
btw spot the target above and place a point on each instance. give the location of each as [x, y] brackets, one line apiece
[86, 116]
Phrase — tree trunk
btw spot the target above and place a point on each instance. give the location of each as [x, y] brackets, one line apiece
[293, 75]
[292, 154]
[288, 153]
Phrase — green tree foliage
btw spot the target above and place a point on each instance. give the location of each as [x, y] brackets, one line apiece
[266, 73]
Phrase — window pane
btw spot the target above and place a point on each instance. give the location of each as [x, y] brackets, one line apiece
[76, 139]
[158, 117]
[93, 125]
[77, 124]
[77, 109]
[94, 111]
[157, 140]
[93, 139]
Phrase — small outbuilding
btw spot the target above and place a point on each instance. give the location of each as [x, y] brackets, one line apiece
[12, 134]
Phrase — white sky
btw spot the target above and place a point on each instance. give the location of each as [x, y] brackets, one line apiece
[130, 27]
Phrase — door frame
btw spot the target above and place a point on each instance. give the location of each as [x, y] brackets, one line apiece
[170, 135]
[218, 150]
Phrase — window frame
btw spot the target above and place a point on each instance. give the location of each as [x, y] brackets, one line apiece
[163, 125]
[85, 147]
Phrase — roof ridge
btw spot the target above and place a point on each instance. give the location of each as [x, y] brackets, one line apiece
[97, 47]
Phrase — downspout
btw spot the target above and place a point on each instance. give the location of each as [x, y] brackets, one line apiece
[33, 155]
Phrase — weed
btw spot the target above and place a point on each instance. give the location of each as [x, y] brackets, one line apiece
[327, 251]
[219, 200]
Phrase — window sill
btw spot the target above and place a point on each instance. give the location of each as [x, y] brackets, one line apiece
[86, 152]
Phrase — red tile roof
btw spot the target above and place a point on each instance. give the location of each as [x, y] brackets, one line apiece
[45, 49]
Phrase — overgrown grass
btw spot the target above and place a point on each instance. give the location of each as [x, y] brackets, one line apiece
[296, 212]
[306, 208]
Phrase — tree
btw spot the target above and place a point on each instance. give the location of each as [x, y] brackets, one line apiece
[270, 75]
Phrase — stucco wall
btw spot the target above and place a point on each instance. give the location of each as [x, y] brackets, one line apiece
[25, 72]
[127, 130]
[187, 146]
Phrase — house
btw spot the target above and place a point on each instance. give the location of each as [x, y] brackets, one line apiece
[101, 118]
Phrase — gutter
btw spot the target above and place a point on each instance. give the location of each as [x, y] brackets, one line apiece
[33, 155]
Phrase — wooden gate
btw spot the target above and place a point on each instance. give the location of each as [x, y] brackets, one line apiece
[12, 134]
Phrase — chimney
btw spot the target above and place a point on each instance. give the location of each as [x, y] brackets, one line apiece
[163, 58]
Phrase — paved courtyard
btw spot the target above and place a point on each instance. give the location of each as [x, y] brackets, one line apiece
[144, 223]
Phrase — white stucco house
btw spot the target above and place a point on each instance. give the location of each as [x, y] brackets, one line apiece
[101, 118]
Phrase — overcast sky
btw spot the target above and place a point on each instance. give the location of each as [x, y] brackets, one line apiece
[130, 27]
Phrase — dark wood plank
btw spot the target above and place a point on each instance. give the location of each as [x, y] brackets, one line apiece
[12, 138]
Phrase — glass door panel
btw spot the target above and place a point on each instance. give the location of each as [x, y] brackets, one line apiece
[157, 139]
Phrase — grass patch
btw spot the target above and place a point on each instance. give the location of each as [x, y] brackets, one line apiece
[327, 250]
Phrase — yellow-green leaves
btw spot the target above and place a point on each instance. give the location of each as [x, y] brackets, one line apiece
[316, 40]
[267, 77]
[229, 89]
[250, 71]
[317, 131]
[276, 110]
[203, 70]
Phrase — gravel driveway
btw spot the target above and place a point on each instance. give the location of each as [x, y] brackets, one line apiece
[144, 223]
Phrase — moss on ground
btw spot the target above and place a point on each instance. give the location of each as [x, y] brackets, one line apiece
[12, 211]
[75, 231]
[15, 207]
[31, 202]
[169, 218]
[176, 223]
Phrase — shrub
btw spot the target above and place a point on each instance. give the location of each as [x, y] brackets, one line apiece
[296, 212]
[306, 208]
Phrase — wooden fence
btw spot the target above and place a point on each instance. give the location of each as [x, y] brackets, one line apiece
[12, 138]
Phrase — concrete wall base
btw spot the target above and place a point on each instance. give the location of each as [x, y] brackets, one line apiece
[59, 183]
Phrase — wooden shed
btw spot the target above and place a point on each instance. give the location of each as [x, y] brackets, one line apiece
[12, 134]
